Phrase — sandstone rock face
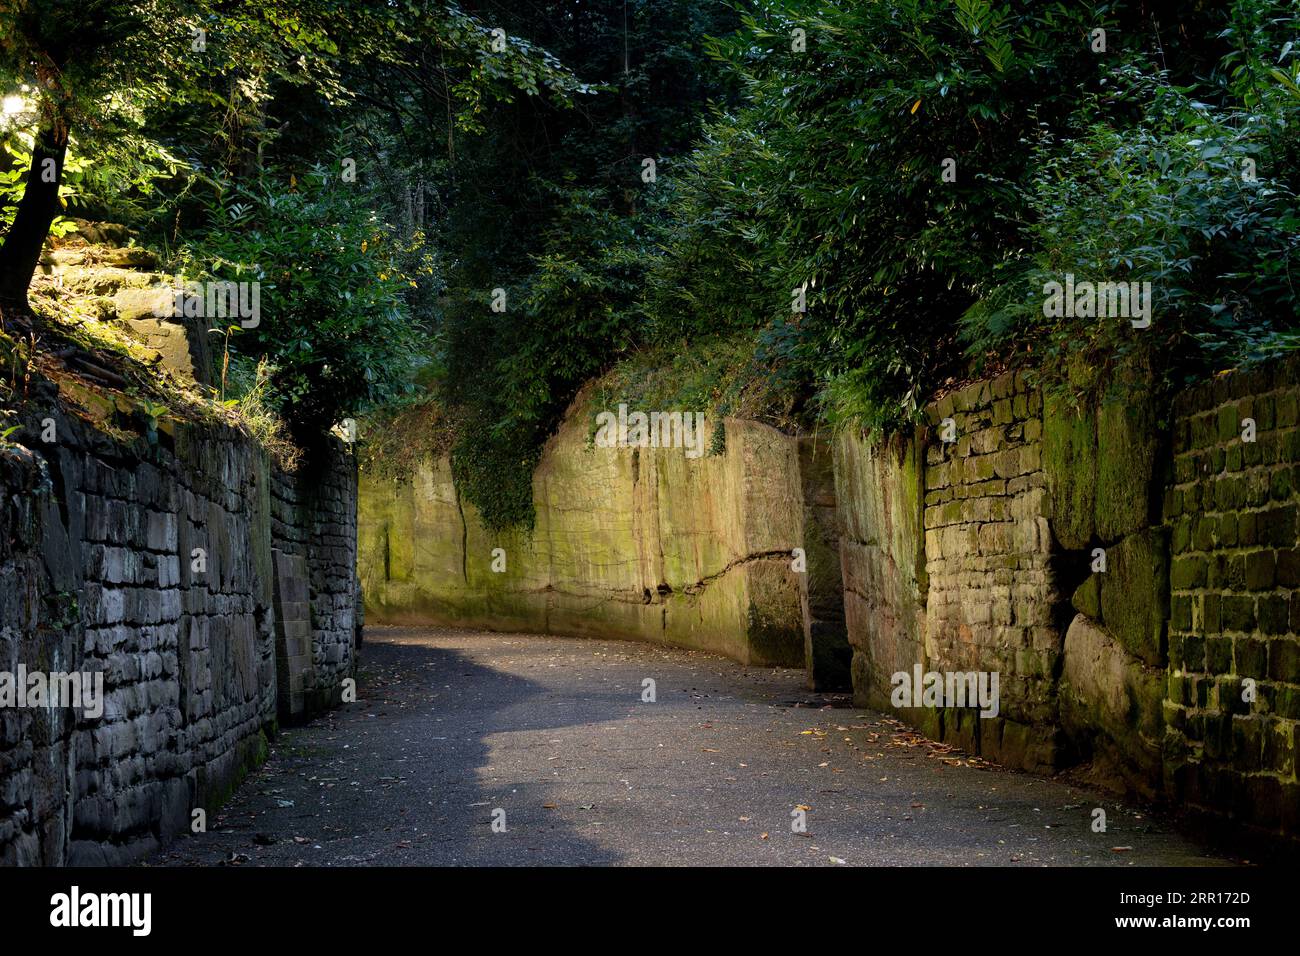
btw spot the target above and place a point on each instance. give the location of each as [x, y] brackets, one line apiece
[881, 549]
[151, 564]
[628, 542]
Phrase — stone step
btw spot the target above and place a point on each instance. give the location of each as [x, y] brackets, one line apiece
[122, 257]
[100, 280]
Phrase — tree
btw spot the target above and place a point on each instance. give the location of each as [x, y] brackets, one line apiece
[85, 59]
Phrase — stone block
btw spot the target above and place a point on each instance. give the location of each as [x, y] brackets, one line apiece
[1135, 594]
[1112, 705]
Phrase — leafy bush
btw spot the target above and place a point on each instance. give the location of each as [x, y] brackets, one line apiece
[830, 179]
[334, 321]
[550, 205]
[719, 376]
[1186, 198]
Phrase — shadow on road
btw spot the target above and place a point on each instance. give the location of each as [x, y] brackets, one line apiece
[398, 778]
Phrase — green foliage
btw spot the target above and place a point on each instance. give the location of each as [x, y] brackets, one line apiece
[710, 274]
[121, 182]
[334, 323]
[487, 162]
[719, 376]
[1186, 198]
[831, 176]
[17, 149]
[497, 475]
[550, 205]
[509, 373]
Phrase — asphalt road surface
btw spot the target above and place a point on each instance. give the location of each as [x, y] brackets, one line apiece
[549, 737]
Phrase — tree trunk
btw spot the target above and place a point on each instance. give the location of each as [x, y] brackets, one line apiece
[36, 211]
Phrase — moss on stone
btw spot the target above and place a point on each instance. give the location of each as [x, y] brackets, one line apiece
[1070, 465]
[1126, 456]
[629, 543]
[1135, 594]
[1087, 597]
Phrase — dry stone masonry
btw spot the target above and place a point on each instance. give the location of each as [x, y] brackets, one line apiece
[1135, 598]
[215, 593]
[1232, 710]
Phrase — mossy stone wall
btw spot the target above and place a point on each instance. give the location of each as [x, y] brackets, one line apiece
[1130, 572]
[1232, 708]
[146, 555]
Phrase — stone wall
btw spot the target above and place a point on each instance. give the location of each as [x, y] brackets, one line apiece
[1124, 583]
[879, 492]
[314, 528]
[628, 542]
[1107, 466]
[988, 547]
[1123, 577]
[148, 555]
[1232, 712]
[949, 566]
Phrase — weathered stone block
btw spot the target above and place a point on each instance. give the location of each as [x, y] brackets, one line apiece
[1126, 459]
[1135, 594]
[1112, 705]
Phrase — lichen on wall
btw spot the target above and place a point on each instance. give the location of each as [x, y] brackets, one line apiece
[879, 492]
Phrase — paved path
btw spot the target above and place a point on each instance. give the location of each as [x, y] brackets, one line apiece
[454, 724]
